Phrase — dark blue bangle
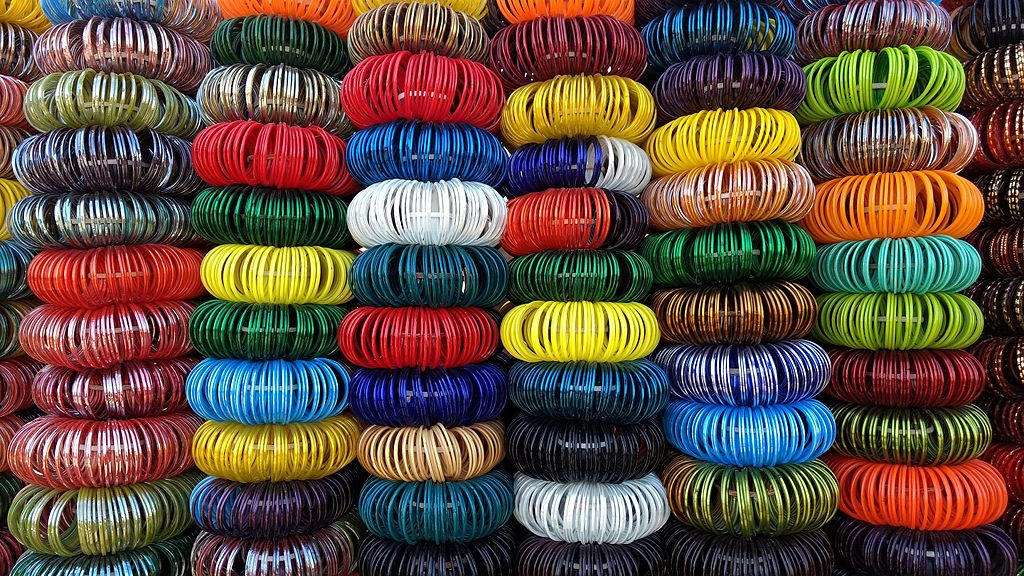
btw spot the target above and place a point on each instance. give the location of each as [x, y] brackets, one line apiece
[623, 393]
[428, 152]
[594, 162]
[751, 436]
[436, 276]
[411, 397]
[14, 261]
[414, 512]
[742, 375]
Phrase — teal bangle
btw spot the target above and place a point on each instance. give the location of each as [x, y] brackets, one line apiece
[575, 275]
[220, 329]
[278, 40]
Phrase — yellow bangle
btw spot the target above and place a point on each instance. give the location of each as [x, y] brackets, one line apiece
[10, 192]
[437, 453]
[271, 275]
[24, 13]
[475, 8]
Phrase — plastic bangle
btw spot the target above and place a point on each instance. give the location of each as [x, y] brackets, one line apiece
[196, 19]
[693, 552]
[270, 275]
[999, 357]
[335, 16]
[1013, 523]
[436, 453]
[473, 8]
[518, 11]
[938, 378]
[601, 105]
[996, 244]
[106, 336]
[170, 557]
[986, 24]
[16, 45]
[1001, 136]
[102, 276]
[895, 205]
[949, 497]
[573, 218]
[992, 77]
[11, 191]
[538, 555]
[424, 338]
[10, 139]
[1006, 417]
[1009, 460]
[17, 374]
[276, 452]
[271, 40]
[568, 275]
[9, 487]
[25, 14]
[999, 301]
[427, 213]
[708, 137]
[439, 513]
[729, 253]
[579, 331]
[490, 556]
[14, 263]
[434, 27]
[747, 502]
[10, 551]
[739, 314]
[12, 315]
[59, 452]
[9, 426]
[13, 93]
[736, 375]
[220, 329]
[604, 162]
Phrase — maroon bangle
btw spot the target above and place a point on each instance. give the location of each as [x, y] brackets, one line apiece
[1009, 460]
[329, 551]
[1001, 128]
[16, 384]
[1003, 361]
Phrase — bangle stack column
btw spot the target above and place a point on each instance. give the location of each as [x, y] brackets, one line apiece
[748, 487]
[884, 146]
[424, 336]
[586, 444]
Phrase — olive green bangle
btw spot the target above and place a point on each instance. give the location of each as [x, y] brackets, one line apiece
[220, 329]
[572, 275]
[278, 40]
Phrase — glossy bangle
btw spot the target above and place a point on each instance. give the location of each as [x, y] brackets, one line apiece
[15, 259]
[748, 502]
[573, 218]
[435, 27]
[335, 16]
[1013, 523]
[9, 426]
[13, 93]
[1009, 460]
[693, 552]
[17, 375]
[569, 275]
[219, 329]
[10, 138]
[195, 19]
[171, 557]
[907, 379]
[271, 40]
[518, 11]
[992, 77]
[738, 314]
[979, 26]
[16, 43]
[270, 275]
[436, 453]
[537, 555]
[276, 452]
[59, 452]
[609, 163]
[26, 14]
[996, 244]
[12, 316]
[10, 551]
[331, 549]
[1000, 136]
[1006, 417]
[474, 8]
[11, 192]
[490, 556]
[998, 300]
[1001, 360]
[9, 487]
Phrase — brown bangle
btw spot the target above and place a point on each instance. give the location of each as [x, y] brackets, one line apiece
[1001, 128]
[994, 76]
[16, 52]
[10, 138]
[437, 453]
[417, 27]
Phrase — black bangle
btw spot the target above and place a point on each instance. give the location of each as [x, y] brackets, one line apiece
[490, 556]
[541, 556]
[693, 552]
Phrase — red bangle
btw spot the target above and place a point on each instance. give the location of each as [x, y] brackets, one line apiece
[9, 426]
[128, 390]
[1009, 460]
[427, 87]
[422, 338]
[12, 94]
[10, 550]
[16, 376]
[273, 155]
[1001, 128]
[1003, 359]
[101, 276]
[59, 452]
[103, 337]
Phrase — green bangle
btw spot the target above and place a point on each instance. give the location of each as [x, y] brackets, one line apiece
[220, 329]
[165, 558]
[9, 486]
[278, 40]
[575, 275]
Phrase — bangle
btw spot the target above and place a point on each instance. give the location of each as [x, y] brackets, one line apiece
[1000, 136]
[276, 452]
[127, 390]
[570, 275]
[9, 426]
[875, 25]
[579, 331]
[330, 550]
[399, 26]
[261, 332]
[938, 378]
[947, 497]
[489, 556]
[124, 45]
[16, 43]
[99, 521]
[694, 552]
[566, 451]
[271, 275]
[12, 315]
[10, 551]
[435, 276]
[544, 48]
[743, 191]
[476, 9]
[1009, 460]
[196, 19]
[606, 105]
[14, 263]
[10, 138]
[729, 253]
[272, 40]
[439, 513]
[573, 218]
[73, 220]
[414, 150]
[17, 375]
[435, 453]
[11, 192]
[272, 155]
[613, 164]
[1006, 417]
[737, 375]
[1002, 360]
[424, 338]
[233, 510]
[24, 14]
[85, 160]
[621, 393]
[985, 24]
[9, 487]
[12, 97]
[59, 452]
[992, 77]
[893, 77]
[712, 136]
[424, 86]
[917, 265]
[537, 555]
[335, 16]
[1013, 523]
[272, 94]
[116, 274]
[169, 556]
[518, 11]
[451, 212]
[619, 513]
[999, 257]
[999, 302]
[726, 81]
[104, 337]
[889, 141]
[739, 314]
[895, 205]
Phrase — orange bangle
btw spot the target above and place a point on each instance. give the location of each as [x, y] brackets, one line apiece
[335, 15]
[517, 11]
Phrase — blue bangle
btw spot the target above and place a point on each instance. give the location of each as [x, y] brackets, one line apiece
[757, 436]
[746, 375]
[438, 276]
[594, 162]
[14, 261]
[622, 393]
[414, 512]
[411, 397]
[428, 152]
[270, 392]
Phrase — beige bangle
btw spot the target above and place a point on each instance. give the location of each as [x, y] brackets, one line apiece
[418, 454]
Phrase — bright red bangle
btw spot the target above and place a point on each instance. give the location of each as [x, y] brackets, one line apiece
[101, 276]
[909, 379]
[128, 390]
[9, 426]
[427, 87]
[103, 337]
[1009, 460]
[272, 155]
[1001, 128]
[16, 376]
[59, 452]
[423, 338]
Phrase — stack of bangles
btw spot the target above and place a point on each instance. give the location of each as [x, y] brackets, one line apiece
[19, 375]
[12, 316]
[483, 557]
[14, 92]
[11, 192]
[271, 275]
[573, 219]
[643, 556]
[605, 162]
[196, 18]
[1006, 417]
[14, 262]
[942, 378]
[1001, 139]
[16, 45]
[1009, 460]
[519, 11]
[272, 40]
[694, 552]
[219, 329]
[568, 275]
[169, 556]
[417, 27]
[993, 77]
[10, 139]
[1003, 362]
[997, 244]
[984, 24]
[1000, 300]
[436, 453]
[335, 16]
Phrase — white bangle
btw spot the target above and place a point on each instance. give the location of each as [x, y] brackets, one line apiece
[625, 166]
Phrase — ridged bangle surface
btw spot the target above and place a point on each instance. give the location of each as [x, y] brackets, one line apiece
[436, 453]
[331, 549]
[1001, 360]
[941, 378]
[488, 556]
[270, 40]
[416, 27]
[170, 557]
[693, 552]
[538, 555]
[220, 329]
[607, 162]
[999, 302]
[568, 275]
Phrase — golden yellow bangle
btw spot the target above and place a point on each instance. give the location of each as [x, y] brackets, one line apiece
[475, 8]
[25, 13]
[437, 453]
[10, 192]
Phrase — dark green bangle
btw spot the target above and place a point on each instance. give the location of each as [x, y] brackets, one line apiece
[277, 40]
[220, 329]
[574, 275]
